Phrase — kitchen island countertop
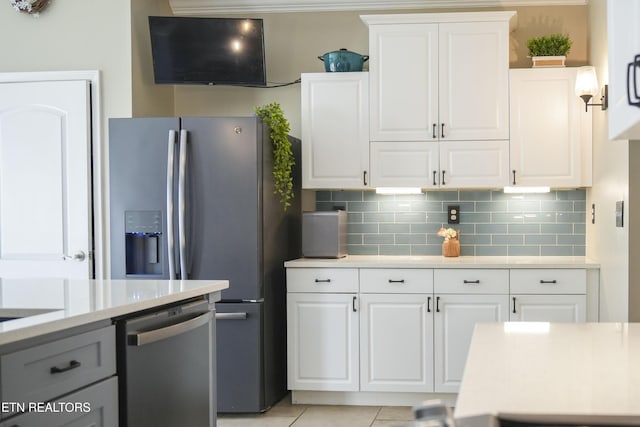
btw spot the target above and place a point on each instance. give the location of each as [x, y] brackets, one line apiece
[51, 305]
[393, 261]
[553, 371]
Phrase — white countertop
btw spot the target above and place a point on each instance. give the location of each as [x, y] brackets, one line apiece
[380, 261]
[574, 369]
[61, 304]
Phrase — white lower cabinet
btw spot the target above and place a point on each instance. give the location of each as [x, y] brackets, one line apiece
[548, 308]
[396, 342]
[322, 341]
[408, 330]
[463, 297]
[548, 295]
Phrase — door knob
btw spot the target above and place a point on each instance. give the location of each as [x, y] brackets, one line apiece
[78, 256]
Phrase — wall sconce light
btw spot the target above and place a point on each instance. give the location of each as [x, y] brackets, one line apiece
[587, 87]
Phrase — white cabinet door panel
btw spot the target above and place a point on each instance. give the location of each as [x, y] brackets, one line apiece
[473, 81]
[548, 308]
[322, 342]
[474, 164]
[623, 38]
[396, 343]
[550, 130]
[404, 164]
[455, 320]
[335, 130]
[404, 81]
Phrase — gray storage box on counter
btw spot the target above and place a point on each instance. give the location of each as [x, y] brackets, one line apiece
[324, 234]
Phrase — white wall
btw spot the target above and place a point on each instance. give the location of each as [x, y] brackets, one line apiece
[607, 243]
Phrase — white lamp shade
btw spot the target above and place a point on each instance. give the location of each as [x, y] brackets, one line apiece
[586, 81]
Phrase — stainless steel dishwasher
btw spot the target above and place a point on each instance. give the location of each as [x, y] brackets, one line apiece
[166, 367]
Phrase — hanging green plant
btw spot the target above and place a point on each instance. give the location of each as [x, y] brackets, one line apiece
[283, 159]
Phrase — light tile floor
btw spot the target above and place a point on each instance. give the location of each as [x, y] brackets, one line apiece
[284, 414]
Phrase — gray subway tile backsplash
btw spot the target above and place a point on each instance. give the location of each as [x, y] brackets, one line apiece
[491, 223]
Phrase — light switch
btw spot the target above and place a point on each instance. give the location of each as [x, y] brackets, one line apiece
[620, 213]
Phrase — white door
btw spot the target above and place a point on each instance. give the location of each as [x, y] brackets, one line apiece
[455, 320]
[322, 342]
[45, 179]
[396, 343]
[548, 308]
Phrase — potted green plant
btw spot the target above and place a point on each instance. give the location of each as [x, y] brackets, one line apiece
[550, 50]
[283, 159]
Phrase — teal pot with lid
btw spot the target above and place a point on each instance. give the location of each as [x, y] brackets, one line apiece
[343, 60]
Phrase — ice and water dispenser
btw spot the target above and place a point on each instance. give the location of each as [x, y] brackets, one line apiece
[143, 242]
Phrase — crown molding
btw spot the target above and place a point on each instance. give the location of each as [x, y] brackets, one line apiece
[208, 7]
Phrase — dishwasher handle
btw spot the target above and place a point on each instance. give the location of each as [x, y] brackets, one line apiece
[148, 337]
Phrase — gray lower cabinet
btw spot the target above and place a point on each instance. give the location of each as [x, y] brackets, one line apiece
[63, 380]
[93, 406]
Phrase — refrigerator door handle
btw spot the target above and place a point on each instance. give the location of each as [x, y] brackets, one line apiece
[231, 316]
[170, 221]
[182, 208]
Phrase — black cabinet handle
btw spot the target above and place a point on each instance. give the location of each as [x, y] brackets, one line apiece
[428, 304]
[514, 305]
[477, 282]
[549, 281]
[396, 281]
[364, 177]
[434, 177]
[433, 131]
[72, 365]
[442, 130]
[353, 304]
[514, 177]
[633, 66]
[437, 304]
[323, 280]
[443, 181]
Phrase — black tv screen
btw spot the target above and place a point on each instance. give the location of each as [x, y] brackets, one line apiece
[212, 51]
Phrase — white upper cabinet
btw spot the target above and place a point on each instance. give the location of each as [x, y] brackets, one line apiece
[335, 130]
[550, 129]
[473, 81]
[403, 67]
[439, 91]
[624, 69]
[439, 76]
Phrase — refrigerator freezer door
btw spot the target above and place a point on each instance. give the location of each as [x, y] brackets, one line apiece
[239, 357]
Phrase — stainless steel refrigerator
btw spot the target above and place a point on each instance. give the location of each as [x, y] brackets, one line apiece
[193, 198]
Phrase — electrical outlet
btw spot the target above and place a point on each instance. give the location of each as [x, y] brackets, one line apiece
[453, 214]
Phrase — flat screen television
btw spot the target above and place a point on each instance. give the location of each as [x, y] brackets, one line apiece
[211, 51]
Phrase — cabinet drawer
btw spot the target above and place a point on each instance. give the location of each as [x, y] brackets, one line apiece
[42, 372]
[322, 280]
[548, 281]
[471, 281]
[396, 280]
[95, 406]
